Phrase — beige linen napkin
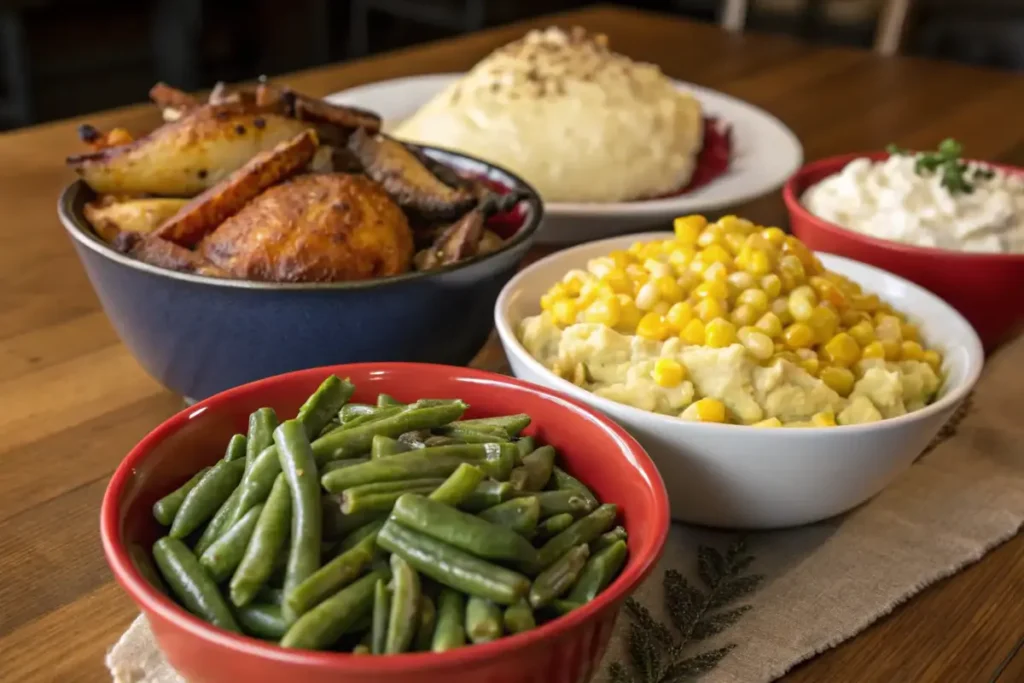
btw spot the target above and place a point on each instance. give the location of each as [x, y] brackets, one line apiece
[826, 582]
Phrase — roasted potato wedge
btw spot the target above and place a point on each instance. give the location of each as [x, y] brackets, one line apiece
[203, 214]
[163, 254]
[188, 156]
[110, 218]
[407, 180]
[459, 241]
[315, 110]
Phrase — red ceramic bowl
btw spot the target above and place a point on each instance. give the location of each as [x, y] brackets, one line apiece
[566, 650]
[981, 286]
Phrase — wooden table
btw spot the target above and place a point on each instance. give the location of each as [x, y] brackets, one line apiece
[73, 401]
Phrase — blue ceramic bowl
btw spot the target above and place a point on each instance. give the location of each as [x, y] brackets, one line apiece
[200, 335]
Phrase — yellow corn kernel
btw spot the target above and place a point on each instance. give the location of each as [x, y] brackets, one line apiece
[892, 349]
[634, 271]
[715, 288]
[688, 228]
[850, 317]
[734, 242]
[592, 291]
[740, 281]
[717, 272]
[547, 301]
[824, 321]
[933, 358]
[775, 236]
[812, 366]
[798, 336]
[780, 307]
[564, 312]
[680, 257]
[710, 308]
[710, 410]
[620, 258]
[574, 281]
[693, 332]
[744, 315]
[772, 285]
[840, 380]
[669, 289]
[807, 292]
[800, 307]
[647, 296]
[911, 350]
[730, 223]
[605, 311]
[755, 261]
[661, 308]
[668, 373]
[629, 314]
[716, 253]
[791, 272]
[720, 333]
[711, 235]
[865, 302]
[824, 419]
[755, 298]
[770, 324]
[618, 281]
[770, 422]
[910, 332]
[652, 326]
[679, 315]
[689, 280]
[758, 343]
[842, 349]
[863, 333]
[873, 350]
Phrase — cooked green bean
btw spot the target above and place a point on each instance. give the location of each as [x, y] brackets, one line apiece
[270, 596]
[206, 497]
[552, 526]
[607, 538]
[236, 448]
[450, 631]
[487, 494]
[519, 617]
[582, 530]
[372, 415]
[356, 441]
[512, 424]
[483, 620]
[330, 578]
[535, 472]
[351, 411]
[525, 445]
[341, 464]
[338, 525]
[558, 502]
[322, 626]
[395, 485]
[453, 567]
[223, 556]
[519, 514]
[262, 620]
[262, 424]
[459, 485]
[369, 529]
[467, 435]
[383, 446]
[441, 461]
[403, 621]
[418, 439]
[355, 500]
[190, 584]
[324, 404]
[299, 469]
[599, 571]
[265, 546]
[564, 481]
[387, 400]
[436, 441]
[563, 607]
[462, 530]
[167, 507]
[426, 618]
[381, 617]
[218, 523]
[559, 577]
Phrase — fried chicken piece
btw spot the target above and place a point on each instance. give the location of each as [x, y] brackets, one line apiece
[318, 227]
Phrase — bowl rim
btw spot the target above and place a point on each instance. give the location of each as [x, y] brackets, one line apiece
[79, 229]
[512, 345]
[797, 184]
[638, 566]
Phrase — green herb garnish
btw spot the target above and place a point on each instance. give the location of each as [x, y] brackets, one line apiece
[955, 174]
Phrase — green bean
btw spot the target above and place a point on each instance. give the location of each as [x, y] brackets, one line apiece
[222, 557]
[190, 584]
[535, 472]
[167, 507]
[262, 620]
[519, 514]
[299, 469]
[512, 424]
[467, 435]
[330, 578]
[265, 545]
[206, 496]
[459, 485]
[351, 411]
[418, 439]
[387, 400]
[355, 441]
[142, 558]
[525, 445]
[381, 615]
[218, 523]
[324, 404]
[383, 446]
[426, 622]
[558, 502]
[436, 441]
[354, 538]
[322, 626]
[483, 620]
[487, 494]
[236, 448]
[338, 525]
[607, 538]
[519, 617]
[552, 526]
[356, 502]
[405, 602]
[396, 485]
[599, 571]
[564, 481]
[373, 415]
[559, 577]
[341, 464]
[453, 567]
[450, 631]
[582, 530]
[461, 530]
[441, 461]
[270, 596]
[563, 607]
[262, 424]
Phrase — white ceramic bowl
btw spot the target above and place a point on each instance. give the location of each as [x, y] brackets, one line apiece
[765, 153]
[743, 477]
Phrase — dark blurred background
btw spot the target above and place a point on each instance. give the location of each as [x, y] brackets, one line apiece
[59, 58]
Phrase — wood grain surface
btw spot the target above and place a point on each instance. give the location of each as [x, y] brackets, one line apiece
[73, 401]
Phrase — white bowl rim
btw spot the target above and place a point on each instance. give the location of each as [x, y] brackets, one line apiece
[953, 395]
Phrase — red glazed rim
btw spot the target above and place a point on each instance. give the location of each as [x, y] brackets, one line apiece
[798, 183]
[638, 566]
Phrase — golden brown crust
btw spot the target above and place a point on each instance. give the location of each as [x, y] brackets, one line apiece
[314, 228]
[164, 96]
[203, 214]
[110, 216]
[318, 111]
[163, 254]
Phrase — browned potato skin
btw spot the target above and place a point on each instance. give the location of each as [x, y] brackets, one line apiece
[192, 154]
[163, 254]
[314, 228]
[109, 216]
[203, 214]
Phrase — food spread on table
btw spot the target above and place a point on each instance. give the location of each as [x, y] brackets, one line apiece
[271, 185]
[577, 120]
[732, 322]
[387, 528]
[932, 199]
